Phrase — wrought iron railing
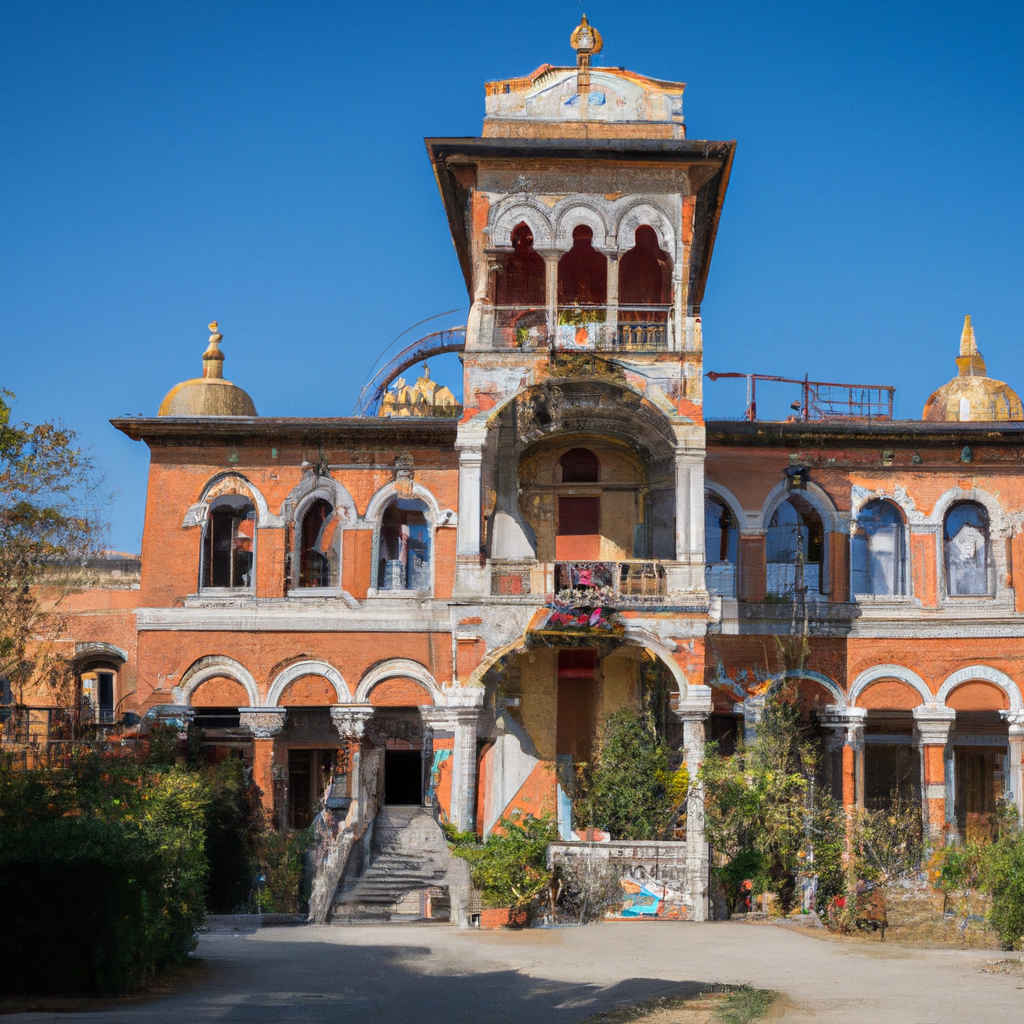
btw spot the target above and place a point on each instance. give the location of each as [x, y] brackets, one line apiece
[790, 399]
[604, 581]
[720, 578]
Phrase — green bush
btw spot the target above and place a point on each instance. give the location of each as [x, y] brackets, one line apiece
[102, 873]
[510, 868]
[1003, 873]
[282, 871]
[232, 828]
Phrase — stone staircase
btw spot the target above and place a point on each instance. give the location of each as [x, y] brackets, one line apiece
[408, 876]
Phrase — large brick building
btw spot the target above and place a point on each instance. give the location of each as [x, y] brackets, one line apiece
[469, 589]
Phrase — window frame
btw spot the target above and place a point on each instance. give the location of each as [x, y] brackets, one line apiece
[206, 551]
[430, 518]
[991, 574]
[902, 588]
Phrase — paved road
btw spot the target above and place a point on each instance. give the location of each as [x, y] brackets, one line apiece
[430, 974]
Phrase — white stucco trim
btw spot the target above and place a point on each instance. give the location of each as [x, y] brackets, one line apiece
[264, 517]
[308, 668]
[821, 680]
[209, 668]
[398, 667]
[985, 674]
[897, 672]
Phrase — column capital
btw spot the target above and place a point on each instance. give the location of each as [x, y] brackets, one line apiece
[841, 718]
[1015, 720]
[932, 723]
[351, 719]
[263, 723]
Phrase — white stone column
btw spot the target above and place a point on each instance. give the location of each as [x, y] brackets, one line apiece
[690, 516]
[612, 315]
[551, 258]
[464, 708]
[932, 725]
[847, 726]
[470, 573]
[1015, 771]
[693, 712]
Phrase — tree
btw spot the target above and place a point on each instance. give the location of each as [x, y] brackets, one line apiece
[49, 528]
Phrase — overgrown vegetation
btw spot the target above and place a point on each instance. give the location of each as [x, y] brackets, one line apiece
[758, 806]
[113, 862]
[995, 868]
[510, 867]
[631, 788]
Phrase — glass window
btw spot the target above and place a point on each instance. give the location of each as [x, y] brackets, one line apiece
[721, 544]
[877, 557]
[318, 556]
[404, 562]
[230, 540]
[966, 544]
[795, 542]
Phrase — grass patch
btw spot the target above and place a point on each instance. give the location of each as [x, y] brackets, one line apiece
[706, 1004]
[745, 1004]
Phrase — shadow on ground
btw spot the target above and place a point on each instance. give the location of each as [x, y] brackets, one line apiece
[249, 982]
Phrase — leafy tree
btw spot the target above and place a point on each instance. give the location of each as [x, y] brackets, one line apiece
[49, 527]
[631, 789]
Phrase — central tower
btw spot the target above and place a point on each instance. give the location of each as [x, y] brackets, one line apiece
[584, 222]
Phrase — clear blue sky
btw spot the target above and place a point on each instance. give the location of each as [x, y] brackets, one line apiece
[262, 164]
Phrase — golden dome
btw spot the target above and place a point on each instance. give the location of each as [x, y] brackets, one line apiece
[973, 396]
[211, 394]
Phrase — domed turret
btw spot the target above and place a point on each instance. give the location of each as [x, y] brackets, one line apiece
[973, 396]
[211, 394]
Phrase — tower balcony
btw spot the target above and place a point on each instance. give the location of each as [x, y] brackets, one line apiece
[581, 328]
[623, 581]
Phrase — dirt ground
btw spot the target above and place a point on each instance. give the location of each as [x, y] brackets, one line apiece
[436, 974]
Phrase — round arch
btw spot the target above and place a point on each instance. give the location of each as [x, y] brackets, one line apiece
[209, 668]
[732, 503]
[221, 483]
[985, 674]
[398, 667]
[897, 672]
[832, 521]
[816, 677]
[308, 668]
[997, 517]
[375, 509]
[313, 487]
[99, 651]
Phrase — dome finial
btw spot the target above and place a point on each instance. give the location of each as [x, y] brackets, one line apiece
[970, 362]
[213, 358]
[586, 41]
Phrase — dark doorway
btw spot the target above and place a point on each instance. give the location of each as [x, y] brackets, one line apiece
[892, 773]
[577, 703]
[309, 772]
[403, 777]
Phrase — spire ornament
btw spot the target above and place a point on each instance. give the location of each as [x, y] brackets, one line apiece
[586, 41]
[213, 358]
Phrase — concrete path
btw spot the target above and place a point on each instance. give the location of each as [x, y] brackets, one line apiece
[435, 974]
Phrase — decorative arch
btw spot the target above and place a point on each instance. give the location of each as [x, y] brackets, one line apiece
[223, 483]
[880, 672]
[398, 667]
[817, 677]
[520, 209]
[832, 521]
[732, 503]
[299, 669]
[312, 487]
[375, 509]
[999, 521]
[209, 668]
[986, 674]
[99, 651]
[572, 215]
[644, 212]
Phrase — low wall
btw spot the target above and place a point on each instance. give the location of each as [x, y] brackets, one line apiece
[654, 877]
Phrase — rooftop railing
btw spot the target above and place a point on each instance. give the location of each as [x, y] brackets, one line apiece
[794, 400]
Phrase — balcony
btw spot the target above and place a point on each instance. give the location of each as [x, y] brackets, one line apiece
[610, 582]
[613, 328]
[519, 327]
[583, 328]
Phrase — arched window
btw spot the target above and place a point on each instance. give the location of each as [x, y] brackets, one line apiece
[721, 546]
[877, 560]
[318, 552]
[645, 272]
[582, 272]
[521, 281]
[579, 466]
[228, 549]
[520, 295]
[965, 538]
[795, 549]
[404, 562]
